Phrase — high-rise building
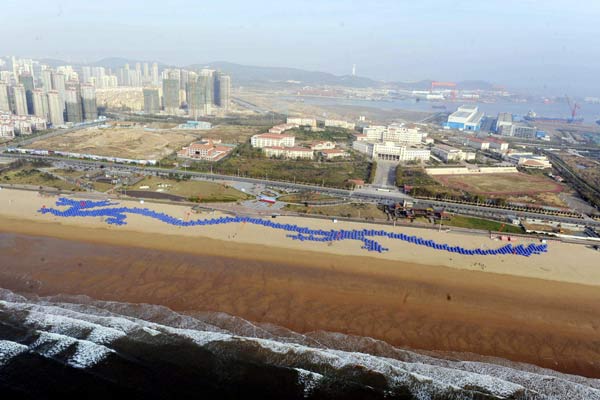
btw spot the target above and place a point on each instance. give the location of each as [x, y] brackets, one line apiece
[184, 77]
[155, 81]
[4, 98]
[151, 101]
[47, 79]
[55, 108]
[206, 82]
[146, 72]
[88, 99]
[222, 90]
[74, 112]
[86, 74]
[171, 95]
[196, 98]
[27, 81]
[40, 104]
[59, 84]
[19, 100]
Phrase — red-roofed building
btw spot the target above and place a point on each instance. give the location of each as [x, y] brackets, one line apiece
[333, 153]
[272, 140]
[498, 145]
[206, 150]
[479, 144]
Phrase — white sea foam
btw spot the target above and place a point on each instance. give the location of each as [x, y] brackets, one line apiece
[86, 353]
[9, 350]
[309, 380]
[84, 333]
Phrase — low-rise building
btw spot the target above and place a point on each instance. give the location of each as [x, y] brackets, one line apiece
[278, 129]
[498, 145]
[449, 154]
[477, 143]
[391, 151]
[329, 154]
[11, 124]
[339, 124]
[288, 152]
[272, 140]
[302, 121]
[518, 130]
[322, 145]
[397, 133]
[195, 125]
[528, 160]
[504, 121]
[7, 130]
[466, 118]
[205, 150]
[523, 131]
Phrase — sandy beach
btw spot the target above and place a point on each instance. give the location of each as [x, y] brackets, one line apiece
[543, 309]
[563, 262]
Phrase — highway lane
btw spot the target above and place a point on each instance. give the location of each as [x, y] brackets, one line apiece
[369, 195]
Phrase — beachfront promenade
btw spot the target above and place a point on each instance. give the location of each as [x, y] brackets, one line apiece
[116, 215]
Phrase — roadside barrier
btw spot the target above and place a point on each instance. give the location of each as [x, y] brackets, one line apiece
[117, 216]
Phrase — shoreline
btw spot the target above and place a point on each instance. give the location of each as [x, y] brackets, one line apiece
[407, 305]
[519, 308]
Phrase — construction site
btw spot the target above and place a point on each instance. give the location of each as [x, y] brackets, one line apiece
[127, 142]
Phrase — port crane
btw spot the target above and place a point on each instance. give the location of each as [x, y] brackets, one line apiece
[435, 84]
[573, 107]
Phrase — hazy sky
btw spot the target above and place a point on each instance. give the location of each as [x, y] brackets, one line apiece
[523, 43]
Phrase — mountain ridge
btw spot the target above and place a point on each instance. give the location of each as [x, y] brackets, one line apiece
[276, 76]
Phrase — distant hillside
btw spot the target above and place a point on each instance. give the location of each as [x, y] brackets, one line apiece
[256, 75]
[118, 62]
[426, 85]
[247, 74]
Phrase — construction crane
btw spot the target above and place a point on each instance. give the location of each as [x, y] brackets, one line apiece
[573, 107]
[435, 84]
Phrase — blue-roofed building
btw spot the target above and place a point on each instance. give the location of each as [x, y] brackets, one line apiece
[195, 125]
[465, 118]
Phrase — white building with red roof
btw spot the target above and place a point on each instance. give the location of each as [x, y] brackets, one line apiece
[206, 150]
[272, 140]
[477, 143]
[329, 154]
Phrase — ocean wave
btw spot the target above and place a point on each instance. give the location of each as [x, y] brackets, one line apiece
[92, 335]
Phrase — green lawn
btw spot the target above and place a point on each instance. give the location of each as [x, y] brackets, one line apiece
[28, 175]
[462, 221]
[246, 161]
[196, 190]
[354, 210]
[303, 197]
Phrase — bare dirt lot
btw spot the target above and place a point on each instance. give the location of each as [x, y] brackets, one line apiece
[134, 143]
[501, 184]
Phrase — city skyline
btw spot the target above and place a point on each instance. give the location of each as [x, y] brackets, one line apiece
[529, 45]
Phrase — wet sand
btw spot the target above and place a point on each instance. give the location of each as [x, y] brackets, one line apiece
[548, 323]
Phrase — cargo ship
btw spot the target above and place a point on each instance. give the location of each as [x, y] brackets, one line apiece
[438, 107]
[533, 117]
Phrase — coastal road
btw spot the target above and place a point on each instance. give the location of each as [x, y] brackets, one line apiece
[368, 194]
